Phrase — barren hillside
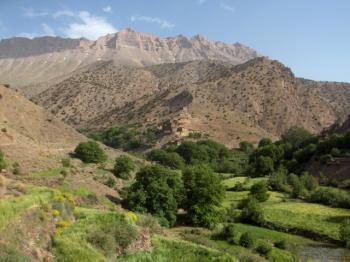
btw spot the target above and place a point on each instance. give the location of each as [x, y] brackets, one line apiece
[31, 136]
[230, 103]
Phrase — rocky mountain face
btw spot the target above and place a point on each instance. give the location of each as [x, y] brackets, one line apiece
[31, 64]
[35, 138]
[260, 98]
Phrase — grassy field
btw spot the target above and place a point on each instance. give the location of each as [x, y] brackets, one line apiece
[233, 198]
[170, 249]
[49, 173]
[248, 182]
[316, 218]
[10, 208]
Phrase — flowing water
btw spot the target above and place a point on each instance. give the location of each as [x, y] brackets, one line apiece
[325, 253]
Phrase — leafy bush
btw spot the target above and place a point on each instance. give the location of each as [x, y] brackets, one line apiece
[169, 159]
[331, 197]
[204, 194]
[150, 222]
[246, 147]
[65, 162]
[282, 244]
[345, 232]
[123, 167]
[260, 191]
[251, 211]
[158, 191]
[230, 234]
[246, 240]
[265, 142]
[263, 166]
[113, 237]
[263, 248]
[90, 152]
[296, 136]
[309, 182]
[3, 163]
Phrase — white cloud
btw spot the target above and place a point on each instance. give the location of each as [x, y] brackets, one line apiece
[64, 12]
[89, 26]
[107, 9]
[148, 19]
[227, 7]
[31, 12]
[47, 30]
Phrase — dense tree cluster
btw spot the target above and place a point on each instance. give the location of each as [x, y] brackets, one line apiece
[126, 138]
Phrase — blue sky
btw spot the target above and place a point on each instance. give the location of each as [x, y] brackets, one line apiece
[310, 36]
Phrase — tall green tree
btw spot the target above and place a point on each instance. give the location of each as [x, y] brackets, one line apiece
[204, 195]
[90, 152]
[158, 191]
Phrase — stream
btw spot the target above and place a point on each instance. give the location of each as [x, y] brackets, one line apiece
[325, 253]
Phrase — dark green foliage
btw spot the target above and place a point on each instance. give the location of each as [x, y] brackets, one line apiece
[263, 248]
[126, 138]
[169, 159]
[65, 162]
[192, 152]
[296, 136]
[335, 152]
[305, 154]
[309, 181]
[260, 191]
[263, 167]
[246, 147]
[247, 240]
[110, 182]
[123, 167]
[251, 211]
[90, 152]
[204, 194]
[331, 197]
[3, 163]
[279, 181]
[157, 191]
[282, 244]
[325, 159]
[265, 142]
[345, 232]
[230, 233]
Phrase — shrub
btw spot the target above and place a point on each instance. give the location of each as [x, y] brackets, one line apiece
[65, 162]
[169, 159]
[282, 244]
[263, 248]
[16, 168]
[251, 212]
[3, 163]
[246, 240]
[246, 147]
[204, 194]
[230, 233]
[325, 159]
[264, 166]
[123, 167]
[296, 136]
[90, 152]
[260, 191]
[331, 196]
[158, 191]
[112, 237]
[265, 142]
[149, 222]
[345, 232]
[335, 152]
[103, 241]
[110, 182]
[309, 181]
